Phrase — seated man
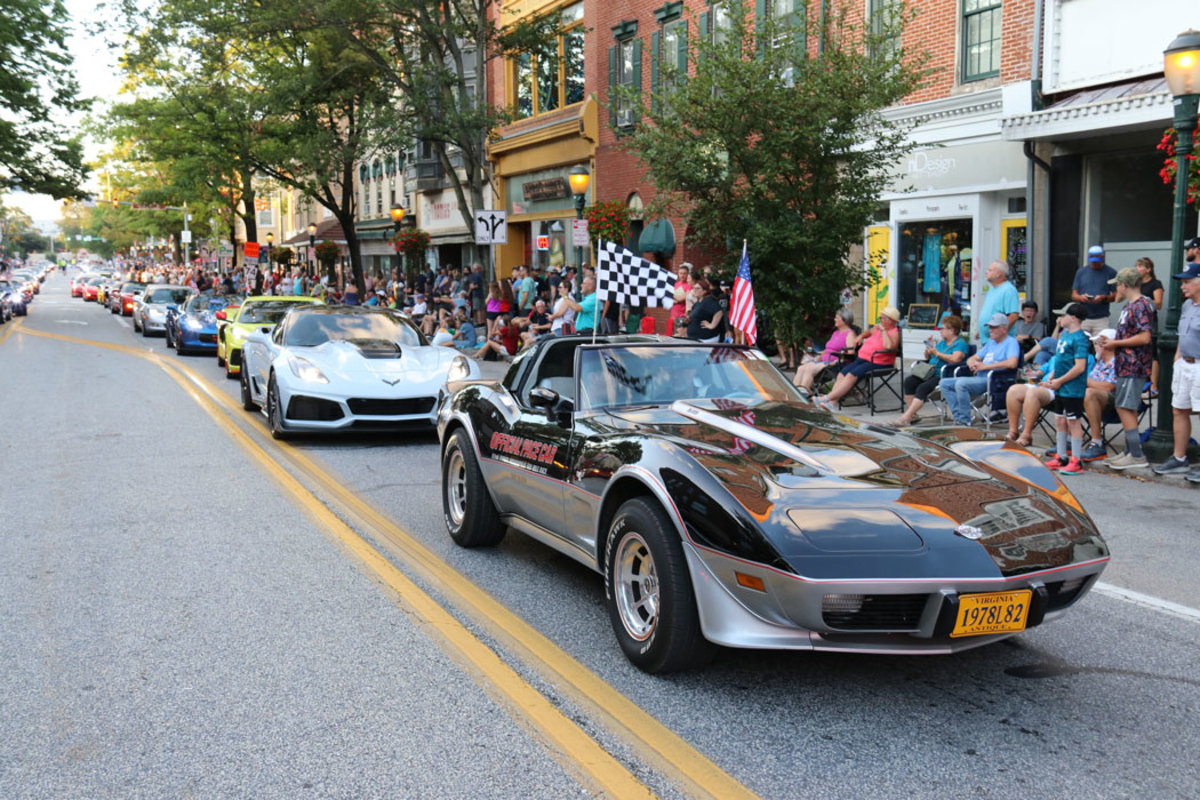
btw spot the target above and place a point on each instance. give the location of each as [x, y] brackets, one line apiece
[1000, 353]
[1101, 383]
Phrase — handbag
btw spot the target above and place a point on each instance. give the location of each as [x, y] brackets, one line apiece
[923, 370]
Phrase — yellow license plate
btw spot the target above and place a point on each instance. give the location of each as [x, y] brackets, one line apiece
[994, 612]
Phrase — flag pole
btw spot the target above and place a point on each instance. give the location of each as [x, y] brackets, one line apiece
[596, 301]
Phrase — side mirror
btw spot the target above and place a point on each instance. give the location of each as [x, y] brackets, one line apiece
[221, 315]
[541, 397]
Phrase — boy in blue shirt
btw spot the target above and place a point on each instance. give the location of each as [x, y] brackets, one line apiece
[1061, 391]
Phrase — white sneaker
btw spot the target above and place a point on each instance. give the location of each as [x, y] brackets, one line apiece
[1126, 461]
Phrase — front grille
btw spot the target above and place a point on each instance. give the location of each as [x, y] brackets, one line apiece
[873, 612]
[210, 338]
[315, 409]
[1063, 593]
[371, 407]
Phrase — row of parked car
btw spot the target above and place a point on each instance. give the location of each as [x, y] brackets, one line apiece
[18, 289]
[306, 366]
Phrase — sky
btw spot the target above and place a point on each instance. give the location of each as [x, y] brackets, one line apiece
[98, 75]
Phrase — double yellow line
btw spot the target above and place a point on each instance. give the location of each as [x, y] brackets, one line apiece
[577, 752]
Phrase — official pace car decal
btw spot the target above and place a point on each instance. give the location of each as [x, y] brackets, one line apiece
[525, 449]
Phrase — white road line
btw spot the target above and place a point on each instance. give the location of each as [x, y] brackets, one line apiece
[1158, 604]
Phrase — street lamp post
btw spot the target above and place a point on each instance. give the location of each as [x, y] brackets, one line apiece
[579, 178]
[397, 214]
[1181, 66]
[270, 241]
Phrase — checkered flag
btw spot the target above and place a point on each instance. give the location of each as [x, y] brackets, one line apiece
[625, 278]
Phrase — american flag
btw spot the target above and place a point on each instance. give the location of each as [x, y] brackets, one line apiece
[741, 309]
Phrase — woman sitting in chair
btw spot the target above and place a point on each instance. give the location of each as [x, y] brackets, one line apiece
[951, 350]
[844, 338]
[878, 351]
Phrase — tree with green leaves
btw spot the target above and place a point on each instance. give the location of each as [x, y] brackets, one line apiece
[35, 80]
[433, 57]
[777, 139]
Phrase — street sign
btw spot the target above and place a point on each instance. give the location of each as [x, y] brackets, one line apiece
[251, 250]
[543, 243]
[579, 232]
[185, 237]
[491, 227]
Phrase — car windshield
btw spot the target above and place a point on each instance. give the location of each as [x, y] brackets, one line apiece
[132, 287]
[206, 302]
[640, 375]
[311, 330]
[266, 312]
[164, 296]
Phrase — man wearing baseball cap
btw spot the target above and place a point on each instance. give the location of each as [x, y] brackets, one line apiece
[1091, 287]
[1134, 359]
[1000, 352]
[1185, 380]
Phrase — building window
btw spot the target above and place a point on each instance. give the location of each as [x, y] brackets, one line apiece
[379, 200]
[624, 75]
[722, 23]
[789, 17]
[266, 217]
[886, 17]
[673, 55]
[551, 80]
[981, 39]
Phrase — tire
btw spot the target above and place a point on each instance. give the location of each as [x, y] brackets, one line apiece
[470, 514]
[220, 361]
[247, 399]
[649, 592]
[274, 414]
[179, 347]
[229, 376]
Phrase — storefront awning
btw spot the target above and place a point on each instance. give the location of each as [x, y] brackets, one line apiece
[658, 237]
[1134, 105]
[329, 229]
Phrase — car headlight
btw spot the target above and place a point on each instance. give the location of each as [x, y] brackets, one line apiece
[305, 370]
[192, 324]
[156, 315]
[460, 370]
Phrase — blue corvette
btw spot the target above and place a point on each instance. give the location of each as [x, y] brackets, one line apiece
[193, 327]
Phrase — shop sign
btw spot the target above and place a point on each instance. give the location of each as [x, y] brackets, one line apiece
[543, 243]
[548, 189]
[962, 167]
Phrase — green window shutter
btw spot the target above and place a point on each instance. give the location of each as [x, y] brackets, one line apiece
[655, 60]
[637, 78]
[702, 35]
[682, 61]
[612, 87]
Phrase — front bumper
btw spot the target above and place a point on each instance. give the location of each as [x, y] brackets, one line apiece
[896, 616]
[312, 411]
[198, 340]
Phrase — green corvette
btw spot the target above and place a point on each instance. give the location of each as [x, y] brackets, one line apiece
[235, 324]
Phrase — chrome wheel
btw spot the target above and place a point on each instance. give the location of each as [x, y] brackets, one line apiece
[456, 487]
[636, 586]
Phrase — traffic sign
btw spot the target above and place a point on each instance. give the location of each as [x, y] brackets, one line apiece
[491, 227]
[579, 232]
[251, 250]
[185, 237]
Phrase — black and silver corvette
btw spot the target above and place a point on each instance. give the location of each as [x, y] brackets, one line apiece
[722, 508]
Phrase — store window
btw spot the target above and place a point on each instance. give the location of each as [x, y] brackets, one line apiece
[550, 245]
[935, 265]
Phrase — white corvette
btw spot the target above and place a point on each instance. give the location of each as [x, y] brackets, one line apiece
[332, 368]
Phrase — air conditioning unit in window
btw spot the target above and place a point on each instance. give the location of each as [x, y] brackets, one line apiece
[625, 118]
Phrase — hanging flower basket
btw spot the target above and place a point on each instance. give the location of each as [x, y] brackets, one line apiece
[411, 242]
[327, 253]
[1167, 145]
[608, 221]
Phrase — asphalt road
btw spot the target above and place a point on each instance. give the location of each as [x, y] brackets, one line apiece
[178, 624]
